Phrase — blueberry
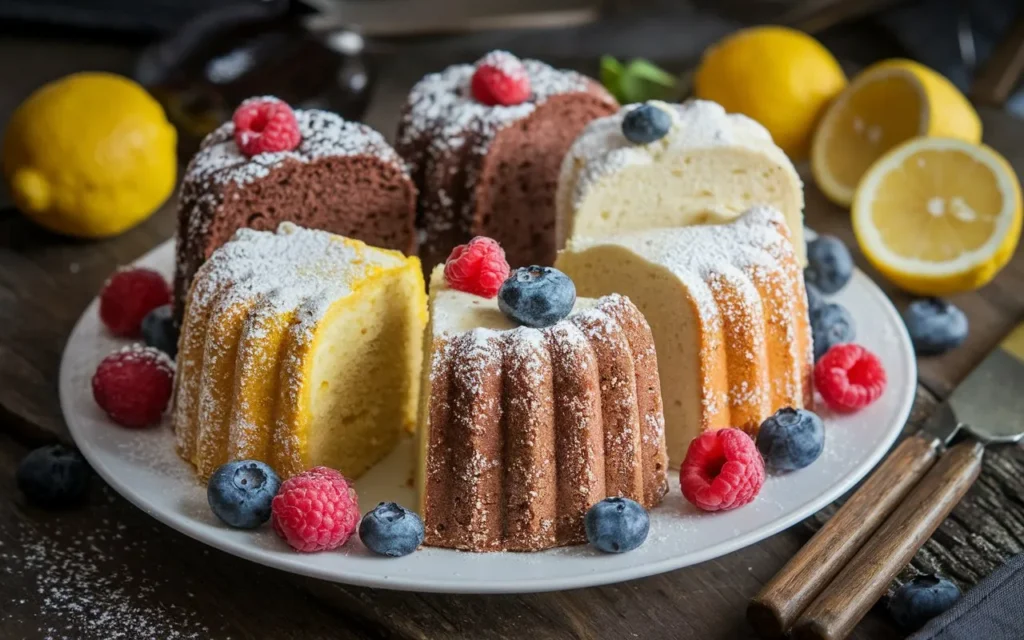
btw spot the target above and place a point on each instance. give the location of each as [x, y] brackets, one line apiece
[240, 493]
[617, 525]
[646, 123]
[160, 331]
[53, 476]
[815, 299]
[831, 324]
[921, 599]
[391, 530]
[791, 439]
[537, 296]
[935, 326]
[829, 264]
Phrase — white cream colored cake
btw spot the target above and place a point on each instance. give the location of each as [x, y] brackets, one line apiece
[710, 167]
[728, 310]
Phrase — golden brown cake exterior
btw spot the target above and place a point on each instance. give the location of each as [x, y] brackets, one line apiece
[527, 428]
[728, 310]
[266, 319]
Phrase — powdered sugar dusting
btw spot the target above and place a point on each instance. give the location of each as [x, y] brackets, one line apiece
[745, 283]
[445, 134]
[242, 292]
[324, 134]
[83, 593]
[602, 149]
[441, 105]
[518, 399]
[138, 352]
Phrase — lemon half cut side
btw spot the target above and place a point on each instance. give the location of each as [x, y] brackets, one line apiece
[938, 216]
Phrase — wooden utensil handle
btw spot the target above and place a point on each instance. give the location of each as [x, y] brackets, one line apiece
[863, 581]
[776, 607]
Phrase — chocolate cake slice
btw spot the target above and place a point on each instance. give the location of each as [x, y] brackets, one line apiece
[342, 177]
[493, 170]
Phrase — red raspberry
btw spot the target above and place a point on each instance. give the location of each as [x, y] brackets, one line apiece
[849, 377]
[133, 385]
[265, 125]
[128, 296]
[479, 267]
[722, 470]
[500, 78]
[315, 511]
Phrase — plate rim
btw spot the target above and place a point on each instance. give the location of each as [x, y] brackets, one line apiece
[445, 584]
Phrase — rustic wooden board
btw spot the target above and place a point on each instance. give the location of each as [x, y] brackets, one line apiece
[169, 583]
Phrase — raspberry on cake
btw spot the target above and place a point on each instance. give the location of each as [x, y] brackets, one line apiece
[265, 125]
[478, 267]
[727, 307]
[708, 167]
[338, 176]
[500, 78]
[522, 430]
[485, 144]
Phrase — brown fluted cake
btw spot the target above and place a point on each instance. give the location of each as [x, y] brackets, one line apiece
[343, 178]
[493, 170]
[522, 430]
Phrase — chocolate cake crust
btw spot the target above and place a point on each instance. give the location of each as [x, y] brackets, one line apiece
[342, 178]
[493, 170]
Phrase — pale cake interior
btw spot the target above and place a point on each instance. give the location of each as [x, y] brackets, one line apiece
[365, 374]
[670, 312]
[725, 304]
[709, 167]
[680, 189]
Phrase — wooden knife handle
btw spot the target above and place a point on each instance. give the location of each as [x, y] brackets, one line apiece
[862, 582]
[776, 607]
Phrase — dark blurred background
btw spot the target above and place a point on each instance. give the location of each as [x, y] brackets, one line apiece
[201, 57]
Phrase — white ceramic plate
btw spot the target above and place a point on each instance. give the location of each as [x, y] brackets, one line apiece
[143, 467]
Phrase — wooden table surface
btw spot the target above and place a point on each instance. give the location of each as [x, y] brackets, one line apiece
[107, 570]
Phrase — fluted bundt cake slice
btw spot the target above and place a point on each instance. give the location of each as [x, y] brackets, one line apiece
[523, 429]
[341, 177]
[299, 348]
[702, 165]
[728, 310]
[491, 168]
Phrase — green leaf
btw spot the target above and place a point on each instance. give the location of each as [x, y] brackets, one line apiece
[638, 81]
[650, 72]
[611, 76]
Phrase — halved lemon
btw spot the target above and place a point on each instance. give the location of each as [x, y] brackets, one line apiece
[938, 216]
[886, 104]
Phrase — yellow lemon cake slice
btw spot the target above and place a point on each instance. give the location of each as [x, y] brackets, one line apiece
[299, 348]
[523, 429]
[709, 167]
[728, 310]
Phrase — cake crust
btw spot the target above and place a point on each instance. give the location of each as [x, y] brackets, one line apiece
[527, 428]
[343, 178]
[728, 309]
[493, 170]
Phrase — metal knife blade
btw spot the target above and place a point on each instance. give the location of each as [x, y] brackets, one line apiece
[990, 400]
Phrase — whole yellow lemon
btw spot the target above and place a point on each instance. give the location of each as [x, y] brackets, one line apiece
[780, 77]
[89, 155]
